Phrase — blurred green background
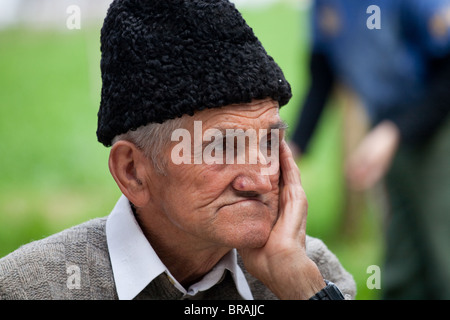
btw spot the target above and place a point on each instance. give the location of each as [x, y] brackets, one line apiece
[54, 173]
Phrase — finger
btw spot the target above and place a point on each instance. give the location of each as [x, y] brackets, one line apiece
[293, 203]
[289, 170]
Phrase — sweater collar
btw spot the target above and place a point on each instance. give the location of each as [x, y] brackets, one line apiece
[135, 264]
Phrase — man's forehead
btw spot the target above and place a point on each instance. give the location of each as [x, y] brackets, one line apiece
[256, 107]
[276, 124]
[263, 113]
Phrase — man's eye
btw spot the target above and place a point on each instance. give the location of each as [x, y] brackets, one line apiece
[266, 142]
[220, 145]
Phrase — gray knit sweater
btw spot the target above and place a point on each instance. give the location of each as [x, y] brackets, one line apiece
[75, 264]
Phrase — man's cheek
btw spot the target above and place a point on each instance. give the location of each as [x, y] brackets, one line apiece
[271, 167]
[275, 193]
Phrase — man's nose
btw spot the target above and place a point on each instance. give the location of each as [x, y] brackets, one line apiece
[252, 182]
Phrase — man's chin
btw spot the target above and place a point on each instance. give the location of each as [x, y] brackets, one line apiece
[254, 238]
[249, 224]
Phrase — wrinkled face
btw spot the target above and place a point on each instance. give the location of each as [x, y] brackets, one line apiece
[224, 203]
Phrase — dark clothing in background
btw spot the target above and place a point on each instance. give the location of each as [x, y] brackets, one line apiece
[401, 73]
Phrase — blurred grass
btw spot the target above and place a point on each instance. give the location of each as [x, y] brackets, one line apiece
[54, 174]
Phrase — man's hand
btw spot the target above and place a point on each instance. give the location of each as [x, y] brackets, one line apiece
[373, 157]
[282, 264]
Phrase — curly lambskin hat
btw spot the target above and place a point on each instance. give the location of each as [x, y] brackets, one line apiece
[162, 59]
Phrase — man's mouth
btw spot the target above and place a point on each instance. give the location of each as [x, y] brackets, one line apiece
[244, 200]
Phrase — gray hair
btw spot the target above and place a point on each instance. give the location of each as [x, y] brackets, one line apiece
[153, 139]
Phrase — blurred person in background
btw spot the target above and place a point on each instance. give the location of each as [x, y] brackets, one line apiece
[394, 56]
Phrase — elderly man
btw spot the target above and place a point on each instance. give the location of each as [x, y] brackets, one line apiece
[210, 228]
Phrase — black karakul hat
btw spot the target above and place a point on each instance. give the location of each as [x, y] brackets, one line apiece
[162, 59]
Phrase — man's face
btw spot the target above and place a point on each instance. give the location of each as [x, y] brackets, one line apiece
[224, 204]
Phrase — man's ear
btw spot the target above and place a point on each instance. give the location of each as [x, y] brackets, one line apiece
[127, 165]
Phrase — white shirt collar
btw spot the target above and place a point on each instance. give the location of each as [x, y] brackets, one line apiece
[135, 264]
